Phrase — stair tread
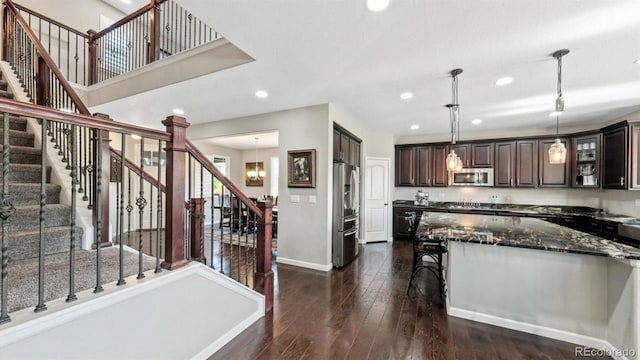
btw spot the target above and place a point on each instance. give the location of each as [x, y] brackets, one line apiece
[18, 133]
[51, 229]
[7, 94]
[55, 206]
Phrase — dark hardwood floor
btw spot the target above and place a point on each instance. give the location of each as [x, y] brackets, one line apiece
[362, 312]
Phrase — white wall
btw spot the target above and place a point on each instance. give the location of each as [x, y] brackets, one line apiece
[304, 228]
[80, 15]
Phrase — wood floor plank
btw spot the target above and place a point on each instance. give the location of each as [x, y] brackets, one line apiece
[362, 311]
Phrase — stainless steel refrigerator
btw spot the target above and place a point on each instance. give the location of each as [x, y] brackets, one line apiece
[346, 213]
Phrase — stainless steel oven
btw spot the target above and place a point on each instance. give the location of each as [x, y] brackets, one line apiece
[472, 177]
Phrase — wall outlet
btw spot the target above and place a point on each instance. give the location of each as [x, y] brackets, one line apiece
[295, 198]
[312, 199]
[638, 202]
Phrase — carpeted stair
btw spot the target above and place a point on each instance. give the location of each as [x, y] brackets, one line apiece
[24, 228]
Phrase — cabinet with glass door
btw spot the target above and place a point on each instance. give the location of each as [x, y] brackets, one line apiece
[586, 161]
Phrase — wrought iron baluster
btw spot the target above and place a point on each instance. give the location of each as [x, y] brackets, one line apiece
[213, 220]
[246, 251]
[65, 152]
[129, 207]
[98, 204]
[79, 161]
[159, 212]
[189, 214]
[43, 202]
[72, 241]
[202, 210]
[6, 210]
[141, 202]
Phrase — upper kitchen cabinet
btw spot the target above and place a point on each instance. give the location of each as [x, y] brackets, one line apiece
[505, 164]
[635, 156]
[405, 166]
[585, 161]
[527, 163]
[553, 175]
[482, 155]
[419, 165]
[615, 158]
[439, 175]
[346, 146]
[464, 153]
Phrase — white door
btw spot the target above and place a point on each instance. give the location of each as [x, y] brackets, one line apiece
[376, 197]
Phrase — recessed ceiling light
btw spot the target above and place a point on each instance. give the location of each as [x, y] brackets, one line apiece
[406, 95]
[415, 127]
[555, 113]
[178, 111]
[476, 121]
[126, 1]
[262, 94]
[136, 137]
[637, 62]
[504, 81]
[377, 5]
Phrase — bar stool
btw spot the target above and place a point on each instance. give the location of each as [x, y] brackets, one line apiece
[431, 246]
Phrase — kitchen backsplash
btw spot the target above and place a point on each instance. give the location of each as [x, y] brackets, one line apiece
[614, 201]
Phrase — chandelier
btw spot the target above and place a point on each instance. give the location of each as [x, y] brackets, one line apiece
[454, 163]
[557, 151]
[256, 173]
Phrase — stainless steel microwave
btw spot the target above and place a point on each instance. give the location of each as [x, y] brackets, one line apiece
[472, 177]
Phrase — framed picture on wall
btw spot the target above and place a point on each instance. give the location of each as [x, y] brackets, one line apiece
[301, 166]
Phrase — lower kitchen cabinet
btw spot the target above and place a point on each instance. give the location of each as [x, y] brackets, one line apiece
[401, 228]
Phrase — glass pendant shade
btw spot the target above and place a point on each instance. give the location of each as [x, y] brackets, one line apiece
[452, 161]
[557, 153]
[459, 164]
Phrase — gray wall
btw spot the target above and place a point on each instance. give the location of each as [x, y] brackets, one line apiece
[302, 240]
[80, 15]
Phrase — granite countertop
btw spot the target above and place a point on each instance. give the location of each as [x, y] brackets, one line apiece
[519, 232]
[523, 210]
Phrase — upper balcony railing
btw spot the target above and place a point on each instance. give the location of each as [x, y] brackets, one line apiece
[157, 30]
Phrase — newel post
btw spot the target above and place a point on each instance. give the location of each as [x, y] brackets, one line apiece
[42, 83]
[105, 167]
[263, 278]
[6, 34]
[175, 212]
[197, 218]
[154, 31]
[93, 58]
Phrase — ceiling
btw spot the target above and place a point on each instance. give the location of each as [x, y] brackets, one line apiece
[246, 141]
[329, 51]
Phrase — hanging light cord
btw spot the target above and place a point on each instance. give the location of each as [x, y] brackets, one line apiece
[559, 76]
[454, 110]
[557, 127]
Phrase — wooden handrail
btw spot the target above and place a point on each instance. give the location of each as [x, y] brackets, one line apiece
[47, 58]
[46, 18]
[202, 159]
[136, 169]
[44, 112]
[126, 19]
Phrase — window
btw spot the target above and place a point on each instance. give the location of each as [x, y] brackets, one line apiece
[116, 49]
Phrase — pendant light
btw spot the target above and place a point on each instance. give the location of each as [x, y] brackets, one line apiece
[256, 173]
[454, 163]
[557, 151]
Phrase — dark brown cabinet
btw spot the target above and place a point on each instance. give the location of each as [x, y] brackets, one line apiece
[439, 175]
[346, 147]
[635, 156]
[504, 171]
[527, 163]
[421, 166]
[553, 175]
[401, 229]
[354, 152]
[585, 161]
[615, 145]
[405, 165]
[482, 155]
[464, 153]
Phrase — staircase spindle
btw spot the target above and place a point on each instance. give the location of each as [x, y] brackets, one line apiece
[43, 202]
[79, 161]
[202, 216]
[98, 218]
[85, 166]
[72, 241]
[129, 207]
[120, 181]
[141, 202]
[213, 221]
[6, 210]
[222, 195]
[159, 212]
[188, 212]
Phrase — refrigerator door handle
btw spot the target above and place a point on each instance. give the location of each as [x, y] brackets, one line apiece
[351, 232]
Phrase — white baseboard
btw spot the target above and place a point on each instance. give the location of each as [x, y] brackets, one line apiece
[304, 264]
[552, 333]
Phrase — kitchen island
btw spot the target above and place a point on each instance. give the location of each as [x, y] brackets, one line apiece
[534, 276]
